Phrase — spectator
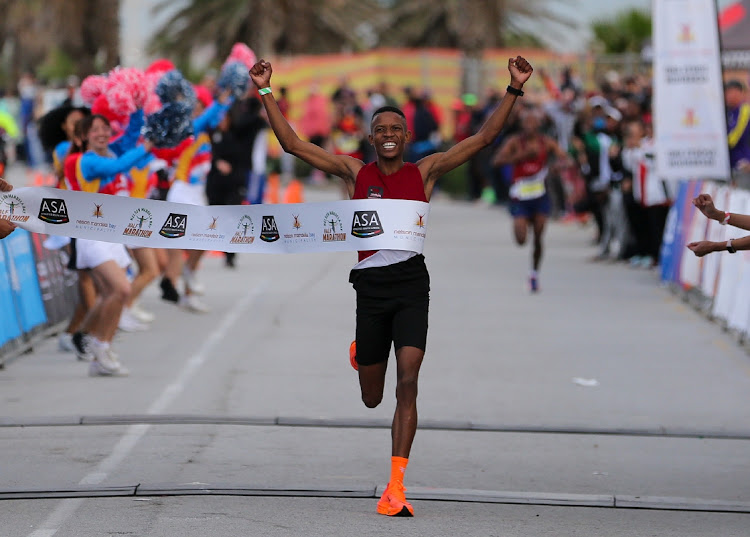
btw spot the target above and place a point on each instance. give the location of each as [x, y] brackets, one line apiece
[738, 119]
[652, 194]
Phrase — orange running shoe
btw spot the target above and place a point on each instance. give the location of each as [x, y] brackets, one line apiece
[353, 355]
[393, 502]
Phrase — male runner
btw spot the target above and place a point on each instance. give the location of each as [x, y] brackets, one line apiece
[392, 285]
[529, 152]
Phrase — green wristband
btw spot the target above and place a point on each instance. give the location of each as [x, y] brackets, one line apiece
[264, 91]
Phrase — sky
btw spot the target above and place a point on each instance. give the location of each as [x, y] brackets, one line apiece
[595, 9]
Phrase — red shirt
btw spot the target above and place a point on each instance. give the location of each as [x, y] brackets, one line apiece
[405, 184]
[70, 168]
[529, 167]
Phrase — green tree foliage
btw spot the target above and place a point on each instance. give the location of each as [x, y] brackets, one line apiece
[627, 31]
[84, 32]
[267, 26]
[472, 26]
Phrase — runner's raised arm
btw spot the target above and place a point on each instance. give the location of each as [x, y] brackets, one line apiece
[341, 166]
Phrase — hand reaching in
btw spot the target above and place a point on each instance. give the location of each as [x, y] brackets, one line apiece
[702, 248]
[705, 204]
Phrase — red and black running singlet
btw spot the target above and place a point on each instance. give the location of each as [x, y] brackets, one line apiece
[529, 175]
[405, 184]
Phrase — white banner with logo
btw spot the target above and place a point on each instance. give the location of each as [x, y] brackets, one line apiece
[370, 224]
[688, 108]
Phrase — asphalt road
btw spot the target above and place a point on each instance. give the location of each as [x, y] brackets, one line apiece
[257, 399]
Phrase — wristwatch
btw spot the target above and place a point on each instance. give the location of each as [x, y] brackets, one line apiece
[731, 249]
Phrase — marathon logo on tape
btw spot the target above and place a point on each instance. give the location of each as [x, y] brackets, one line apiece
[333, 229]
[13, 208]
[241, 236]
[269, 232]
[53, 211]
[174, 227]
[366, 224]
[139, 225]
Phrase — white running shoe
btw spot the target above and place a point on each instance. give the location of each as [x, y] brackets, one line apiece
[105, 363]
[65, 342]
[100, 369]
[128, 322]
[193, 304]
[142, 315]
[196, 287]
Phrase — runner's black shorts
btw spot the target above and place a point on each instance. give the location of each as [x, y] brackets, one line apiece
[392, 308]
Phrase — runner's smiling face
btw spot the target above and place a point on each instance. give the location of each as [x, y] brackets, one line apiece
[98, 136]
[389, 135]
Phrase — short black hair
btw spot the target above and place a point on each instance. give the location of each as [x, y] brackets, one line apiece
[734, 83]
[393, 109]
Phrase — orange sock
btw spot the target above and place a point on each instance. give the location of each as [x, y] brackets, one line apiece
[398, 469]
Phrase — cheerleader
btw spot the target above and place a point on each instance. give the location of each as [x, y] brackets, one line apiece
[190, 170]
[100, 168]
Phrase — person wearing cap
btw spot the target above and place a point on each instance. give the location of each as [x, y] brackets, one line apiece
[615, 230]
[590, 147]
[738, 119]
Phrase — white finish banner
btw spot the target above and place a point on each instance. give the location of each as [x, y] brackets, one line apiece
[370, 224]
[689, 116]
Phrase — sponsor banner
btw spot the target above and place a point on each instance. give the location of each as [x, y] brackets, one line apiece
[370, 224]
[10, 328]
[689, 115]
[24, 280]
[676, 231]
[58, 285]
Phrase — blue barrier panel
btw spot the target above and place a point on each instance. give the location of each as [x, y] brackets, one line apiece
[10, 327]
[673, 235]
[24, 280]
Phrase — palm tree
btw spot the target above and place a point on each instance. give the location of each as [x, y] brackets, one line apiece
[627, 31]
[471, 26]
[267, 26]
[85, 31]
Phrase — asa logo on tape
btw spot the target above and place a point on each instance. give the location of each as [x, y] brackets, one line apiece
[53, 211]
[366, 224]
[175, 226]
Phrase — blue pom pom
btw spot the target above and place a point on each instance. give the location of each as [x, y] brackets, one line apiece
[173, 87]
[170, 125]
[234, 76]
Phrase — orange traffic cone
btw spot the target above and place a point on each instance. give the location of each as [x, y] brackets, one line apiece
[294, 192]
[272, 188]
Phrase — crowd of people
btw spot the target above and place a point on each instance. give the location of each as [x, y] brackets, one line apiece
[568, 152]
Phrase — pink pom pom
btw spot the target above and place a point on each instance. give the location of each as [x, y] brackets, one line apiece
[92, 87]
[120, 101]
[130, 81]
[243, 54]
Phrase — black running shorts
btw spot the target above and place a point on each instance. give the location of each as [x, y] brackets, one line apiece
[392, 308]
